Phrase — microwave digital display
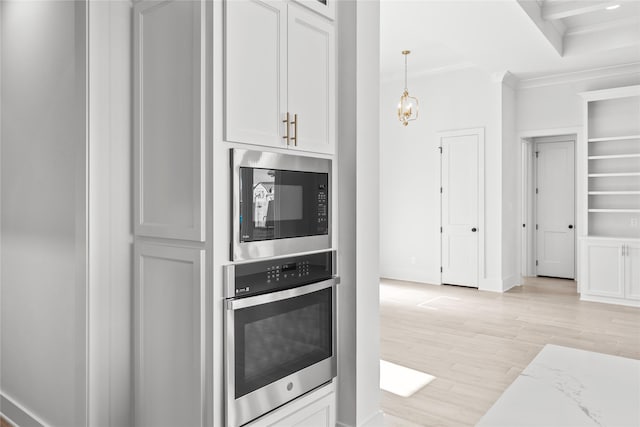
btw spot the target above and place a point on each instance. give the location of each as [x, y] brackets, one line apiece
[279, 204]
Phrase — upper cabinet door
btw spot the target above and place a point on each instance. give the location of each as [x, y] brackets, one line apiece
[311, 94]
[255, 71]
[169, 106]
[324, 7]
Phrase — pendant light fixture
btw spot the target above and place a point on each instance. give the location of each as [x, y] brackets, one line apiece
[408, 106]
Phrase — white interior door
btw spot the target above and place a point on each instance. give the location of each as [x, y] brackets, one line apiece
[555, 232]
[460, 206]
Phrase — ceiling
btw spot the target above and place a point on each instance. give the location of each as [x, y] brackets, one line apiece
[529, 38]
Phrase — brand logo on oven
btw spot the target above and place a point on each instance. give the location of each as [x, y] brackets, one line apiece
[242, 290]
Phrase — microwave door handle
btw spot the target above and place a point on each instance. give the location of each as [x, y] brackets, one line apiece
[281, 295]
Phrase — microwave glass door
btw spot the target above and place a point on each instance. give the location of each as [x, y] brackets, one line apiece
[276, 339]
[279, 204]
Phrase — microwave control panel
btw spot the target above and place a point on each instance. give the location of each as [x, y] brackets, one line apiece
[254, 278]
[323, 209]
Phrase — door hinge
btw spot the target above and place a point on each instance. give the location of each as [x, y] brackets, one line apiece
[440, 269]
[536, 226]
[536, 191]
[440, 148]
[536, 263]
[440, 190]
[537, 154]
[441, 229]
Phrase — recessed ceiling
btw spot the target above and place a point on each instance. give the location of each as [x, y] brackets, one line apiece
[529, 38]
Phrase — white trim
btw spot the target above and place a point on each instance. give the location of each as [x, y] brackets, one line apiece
[576, 76]
[527, 210]
[17, 414]
[614, 93]
[374, 420]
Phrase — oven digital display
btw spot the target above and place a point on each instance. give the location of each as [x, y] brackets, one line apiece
[289, 267]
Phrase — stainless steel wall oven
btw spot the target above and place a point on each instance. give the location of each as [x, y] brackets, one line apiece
[281, 204]
[280, 332]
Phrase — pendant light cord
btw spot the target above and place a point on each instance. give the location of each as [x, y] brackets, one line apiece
[405, 72]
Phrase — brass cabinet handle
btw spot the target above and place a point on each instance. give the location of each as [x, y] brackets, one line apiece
[286, 128]
[295, 130]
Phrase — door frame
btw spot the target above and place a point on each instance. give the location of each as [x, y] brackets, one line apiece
[527, 194]
[535, 203]
[480, 133]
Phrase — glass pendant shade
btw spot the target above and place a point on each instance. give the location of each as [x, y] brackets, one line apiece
[407, 108]
[408, 105]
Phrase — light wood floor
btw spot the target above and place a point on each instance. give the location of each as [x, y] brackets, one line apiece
[476, 343]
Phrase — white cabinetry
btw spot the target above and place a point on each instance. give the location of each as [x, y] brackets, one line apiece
[315, 409]
[168, 119]
[169, 341]
[611, 178]
[612, 271]
[323, 7]
[171, 95]
[279, 76]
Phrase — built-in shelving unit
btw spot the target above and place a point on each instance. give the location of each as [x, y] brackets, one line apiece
[610, 165]
[613, 162]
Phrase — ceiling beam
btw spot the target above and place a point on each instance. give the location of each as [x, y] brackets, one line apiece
[558, 10]
[548, 29]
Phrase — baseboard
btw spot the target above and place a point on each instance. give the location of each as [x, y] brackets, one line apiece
[411, 276]
[17, 414]
[510, 282]
[498, 285]
[374, 420]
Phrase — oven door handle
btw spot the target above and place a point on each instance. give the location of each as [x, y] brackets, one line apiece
[236, 304]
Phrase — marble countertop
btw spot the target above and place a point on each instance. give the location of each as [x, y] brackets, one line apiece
[566, 387]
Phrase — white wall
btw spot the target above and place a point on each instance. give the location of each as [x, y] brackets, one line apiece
[510, 201]
[410, 170]
[555, 103]
[65, 216]
[547, 104]
[358, 400]
[43, 218]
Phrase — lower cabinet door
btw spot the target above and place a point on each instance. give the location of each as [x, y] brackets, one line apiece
[321, 413]
[632, 271]
[314, 409]
[604, 269]
[169, 320]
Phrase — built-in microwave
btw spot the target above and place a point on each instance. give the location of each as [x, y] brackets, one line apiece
[280, 204]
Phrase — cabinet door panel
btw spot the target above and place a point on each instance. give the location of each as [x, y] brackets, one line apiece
[604, 269]
[311, 91]
[632, 271]
[256, 72]
[323, 7]
[168, 107]
[169, 379]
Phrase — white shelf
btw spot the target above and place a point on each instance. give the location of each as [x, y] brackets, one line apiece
[614, 156]
[614, 210]
[603, 175]
[611, 193]
[614, 138]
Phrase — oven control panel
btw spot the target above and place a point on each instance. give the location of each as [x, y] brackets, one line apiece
[258, 277]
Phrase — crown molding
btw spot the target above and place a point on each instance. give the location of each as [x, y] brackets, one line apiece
[576, 76]
[506, 78]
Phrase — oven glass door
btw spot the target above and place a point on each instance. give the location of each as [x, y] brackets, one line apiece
[275, 339]
[280, 204]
